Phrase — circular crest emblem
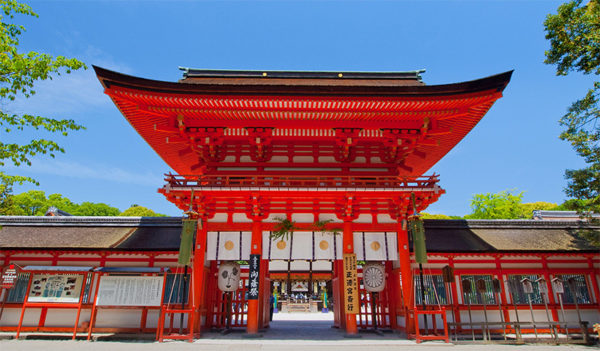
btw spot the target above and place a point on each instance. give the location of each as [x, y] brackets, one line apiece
[374, 277]
[323, 245]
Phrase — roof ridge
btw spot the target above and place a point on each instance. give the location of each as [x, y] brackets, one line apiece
[89, 221]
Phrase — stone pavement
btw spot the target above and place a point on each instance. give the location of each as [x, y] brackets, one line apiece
[288, 332]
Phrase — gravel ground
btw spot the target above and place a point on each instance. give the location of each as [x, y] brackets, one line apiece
[288, 332]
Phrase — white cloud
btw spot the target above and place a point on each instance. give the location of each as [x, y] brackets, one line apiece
[96, 171]
[78, 92]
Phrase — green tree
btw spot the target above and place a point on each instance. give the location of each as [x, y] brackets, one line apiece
[31, 203]
[528, 208]
[18, 74]
[426, 215]
[574, 34]
[140, 211]
[95, 209]
[35, 203]
[503, 205]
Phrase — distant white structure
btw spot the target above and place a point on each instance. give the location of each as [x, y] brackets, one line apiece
[542, 215]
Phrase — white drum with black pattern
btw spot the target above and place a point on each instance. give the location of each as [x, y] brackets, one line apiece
[374, 276]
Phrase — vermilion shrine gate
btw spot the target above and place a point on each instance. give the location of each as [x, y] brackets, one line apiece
[345, 148]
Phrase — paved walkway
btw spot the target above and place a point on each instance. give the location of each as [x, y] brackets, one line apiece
[288, 332]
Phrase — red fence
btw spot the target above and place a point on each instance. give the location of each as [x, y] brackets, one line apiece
[300, 181]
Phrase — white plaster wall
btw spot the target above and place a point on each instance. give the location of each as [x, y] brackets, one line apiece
[474, 265]
[322, 266]
[583, 265]
[303, 159]
[10, 317]
[277, 265]
[300, 265]
[521, 265]
[475, 259]
[66, 317]
[364, 218]
[241, 218]
[115, 318]
[326, 159]
[330, 216]
[525, 315]
[272, 216]
[303, 218]
[218, 218]
[152, 318]
[278, 159]
[385, 218]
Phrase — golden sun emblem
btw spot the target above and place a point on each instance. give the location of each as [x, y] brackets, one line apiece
[375, 245]
[281, 245]
[323, 245]
[229, 245]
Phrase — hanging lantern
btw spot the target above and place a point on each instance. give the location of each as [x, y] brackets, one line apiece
[374, 276]
[229, 276]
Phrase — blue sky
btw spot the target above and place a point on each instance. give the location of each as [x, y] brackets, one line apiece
[515, 146]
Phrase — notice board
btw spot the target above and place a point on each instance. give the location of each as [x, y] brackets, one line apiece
[59, 288]
[129, 291]
[351, 300]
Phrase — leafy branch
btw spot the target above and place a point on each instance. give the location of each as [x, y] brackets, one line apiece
[284, 228]
[322, 227]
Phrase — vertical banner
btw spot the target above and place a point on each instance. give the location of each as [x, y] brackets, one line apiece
[253, 277]
[351, 284]
[187, 241]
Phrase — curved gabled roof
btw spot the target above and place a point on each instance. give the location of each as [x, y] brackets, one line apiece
[310, 83]
[405, 127]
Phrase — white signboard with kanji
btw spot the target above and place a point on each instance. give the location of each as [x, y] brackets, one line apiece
[129, 291]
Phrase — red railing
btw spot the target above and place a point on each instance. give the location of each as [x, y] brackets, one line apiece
[301, 181]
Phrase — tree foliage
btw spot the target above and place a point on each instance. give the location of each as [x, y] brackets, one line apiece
[140, 211]
[35, 203]
[18, 74]
[505, 205]
[574, 34]
[426, 215]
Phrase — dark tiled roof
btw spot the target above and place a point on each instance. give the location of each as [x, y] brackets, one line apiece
[162, 233]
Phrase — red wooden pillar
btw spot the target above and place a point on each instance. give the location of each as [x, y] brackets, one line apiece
[503, 294]
[405, 274]
[339, 320]
[392, 286]
[348, 242]
[550, 295]
[253, 305]
[198, 276]
[594, 280]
